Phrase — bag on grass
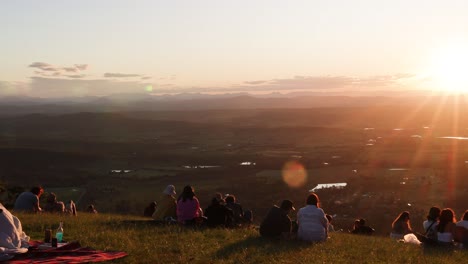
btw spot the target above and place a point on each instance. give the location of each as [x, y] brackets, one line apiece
[11, 231]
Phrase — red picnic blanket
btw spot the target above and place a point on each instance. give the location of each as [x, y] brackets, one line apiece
[69, 253]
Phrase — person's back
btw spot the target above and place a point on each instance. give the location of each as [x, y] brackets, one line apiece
[54, 206]
[188, 209]
[218, 215]
[312, 224]
[365, 230]
[29, 201]
[166, 208]
[277, 221]
[150, 209]
[237, 211]
[430, 229]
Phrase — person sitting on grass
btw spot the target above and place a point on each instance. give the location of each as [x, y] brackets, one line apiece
[188, 207]
[218, 215]
[238, 212]
[430, 225]
[277, 223]
[311, 221]
[91, 209]
[401, 226]
[52, 205]
[462, 226]
[29, 201]
[446, 227]
[361, 228]
[150, 209]
[70, 208]
[167, 207]
[331, 228]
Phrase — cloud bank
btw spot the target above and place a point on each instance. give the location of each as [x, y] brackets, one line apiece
[46, 69]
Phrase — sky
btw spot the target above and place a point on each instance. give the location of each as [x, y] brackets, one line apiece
[61, 48]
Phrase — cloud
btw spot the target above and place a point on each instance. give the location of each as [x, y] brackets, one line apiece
[81, 67]
[75, 76]
[70, 69]
[76, 86]
[325, 83]
[120, 75]
[46, 69]
[255, 82]
[43, 66]
[146, 77]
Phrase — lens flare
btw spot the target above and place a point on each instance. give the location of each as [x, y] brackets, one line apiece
[294, 174]
[149, 88]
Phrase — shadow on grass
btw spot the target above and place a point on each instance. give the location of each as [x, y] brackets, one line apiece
[261, 245]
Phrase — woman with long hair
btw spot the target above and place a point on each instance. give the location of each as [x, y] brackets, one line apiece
[430, 225]
[401, 226]
[446, 228]
[188, 207]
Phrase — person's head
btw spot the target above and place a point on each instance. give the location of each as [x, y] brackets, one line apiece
[37, 190]
[187, 193]
[287, 205]
[356, 223]
[153, 204]
[329, 218]
[465, 216]
[362, 222]
[446, 216]
[51, 198]
[403, 216]
[230, 199]
[434, 213]
[170, 190]
[220, 197]
[312, 199]
[215, 201]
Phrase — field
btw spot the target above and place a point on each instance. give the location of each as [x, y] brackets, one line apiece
[121, 161]
[149, 243]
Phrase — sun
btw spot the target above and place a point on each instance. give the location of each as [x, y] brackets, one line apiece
[449, 69]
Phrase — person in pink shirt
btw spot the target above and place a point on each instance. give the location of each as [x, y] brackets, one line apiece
[188, 207]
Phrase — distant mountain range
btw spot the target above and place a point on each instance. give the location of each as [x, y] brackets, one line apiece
[199, 101]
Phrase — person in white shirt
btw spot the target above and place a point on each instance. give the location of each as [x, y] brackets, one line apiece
[430, 225]
[462, 230]
[464, 221]
[313, 225]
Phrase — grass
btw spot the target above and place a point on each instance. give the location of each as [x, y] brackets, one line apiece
[146, 242]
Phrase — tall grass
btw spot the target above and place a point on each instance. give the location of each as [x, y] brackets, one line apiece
[146, 242]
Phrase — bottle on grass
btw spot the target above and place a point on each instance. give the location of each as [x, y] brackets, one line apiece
[59, 233]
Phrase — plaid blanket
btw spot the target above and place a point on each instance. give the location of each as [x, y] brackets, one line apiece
[70, 253]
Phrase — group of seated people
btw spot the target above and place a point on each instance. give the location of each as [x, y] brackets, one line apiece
[222, 212]
[30, 202]
[441, 227]
[312, 224]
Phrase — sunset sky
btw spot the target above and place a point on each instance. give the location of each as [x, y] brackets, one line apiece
[100, 47]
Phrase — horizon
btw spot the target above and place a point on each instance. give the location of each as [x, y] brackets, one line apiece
[58, 49]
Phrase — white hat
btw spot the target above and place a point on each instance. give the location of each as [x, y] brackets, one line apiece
[170, 190]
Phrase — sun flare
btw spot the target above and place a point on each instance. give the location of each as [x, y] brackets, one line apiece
[450, 68]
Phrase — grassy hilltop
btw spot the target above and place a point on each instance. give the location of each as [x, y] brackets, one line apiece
[149, 243]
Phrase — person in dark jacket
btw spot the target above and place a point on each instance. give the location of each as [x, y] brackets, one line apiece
[238, 212]
[150, 209]
[218, 215]
[277, 223]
